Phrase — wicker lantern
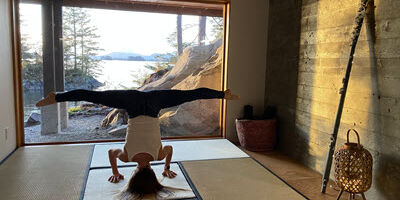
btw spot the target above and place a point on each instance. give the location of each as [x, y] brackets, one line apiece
[353, 168]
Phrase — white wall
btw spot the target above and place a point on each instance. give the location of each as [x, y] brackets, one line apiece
[7, 112]
[247, 54]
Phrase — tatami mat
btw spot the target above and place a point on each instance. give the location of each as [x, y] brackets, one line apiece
[50, 172]
[237, 179]
[183, 151]
[98, 188]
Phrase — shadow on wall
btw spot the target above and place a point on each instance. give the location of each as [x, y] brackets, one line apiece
[282, 70]
[386, 175]
[308, 62]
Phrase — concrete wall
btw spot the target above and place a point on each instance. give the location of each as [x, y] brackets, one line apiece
[282, 63]
[246, 59]
[7, 117]
[373, 99]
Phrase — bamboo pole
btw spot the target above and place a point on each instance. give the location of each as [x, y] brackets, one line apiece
[356, 33]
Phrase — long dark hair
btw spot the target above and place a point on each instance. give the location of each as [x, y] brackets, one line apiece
[144, 181]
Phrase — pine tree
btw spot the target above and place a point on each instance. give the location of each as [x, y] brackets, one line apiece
[217, 26]
[31, 59]
[80, 45]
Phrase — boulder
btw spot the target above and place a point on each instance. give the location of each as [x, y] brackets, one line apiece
[115, 118]
[119, 131]
[155, 76]
[198, 66]
[34, 119]
[199, 117]
[188, 63]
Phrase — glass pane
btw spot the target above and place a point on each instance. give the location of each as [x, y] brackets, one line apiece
[126, 50]
[32, 68]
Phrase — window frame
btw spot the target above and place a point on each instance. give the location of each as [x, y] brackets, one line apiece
[146, 7]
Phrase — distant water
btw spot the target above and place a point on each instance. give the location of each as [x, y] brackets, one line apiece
[114, 74]
[118, 74]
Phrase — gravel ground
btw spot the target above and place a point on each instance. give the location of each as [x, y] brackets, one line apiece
[80, 128]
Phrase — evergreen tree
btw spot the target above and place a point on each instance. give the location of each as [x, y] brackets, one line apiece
[217, 26]
[31, 61]
[173, 39]
[80, 45]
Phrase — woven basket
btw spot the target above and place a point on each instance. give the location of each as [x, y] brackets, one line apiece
[257, 135]
[353, 167]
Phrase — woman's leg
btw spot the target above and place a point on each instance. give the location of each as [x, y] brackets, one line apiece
[111, 98]
[170, 98]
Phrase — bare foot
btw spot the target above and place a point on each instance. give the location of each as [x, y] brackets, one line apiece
[230, 96]
[50, 99]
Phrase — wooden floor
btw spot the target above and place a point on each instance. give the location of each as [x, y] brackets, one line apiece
[302, 178]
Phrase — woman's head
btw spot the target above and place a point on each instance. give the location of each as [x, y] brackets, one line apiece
[143, 181]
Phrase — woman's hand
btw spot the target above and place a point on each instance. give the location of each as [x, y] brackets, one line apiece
[115, 178]
[168, 173]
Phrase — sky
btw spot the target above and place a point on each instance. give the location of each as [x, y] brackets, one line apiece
[122, 31]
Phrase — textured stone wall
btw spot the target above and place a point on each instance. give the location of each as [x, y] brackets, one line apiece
[316, 34]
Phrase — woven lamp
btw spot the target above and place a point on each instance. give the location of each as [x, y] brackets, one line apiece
[353, 168]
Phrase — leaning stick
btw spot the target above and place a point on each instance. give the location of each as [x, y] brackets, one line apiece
[356, 33]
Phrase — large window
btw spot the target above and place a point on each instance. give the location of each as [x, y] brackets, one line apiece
[142, 47]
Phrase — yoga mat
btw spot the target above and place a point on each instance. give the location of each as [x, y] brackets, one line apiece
[237, 179]
[50, 172]
[183, 151]
[98, 188]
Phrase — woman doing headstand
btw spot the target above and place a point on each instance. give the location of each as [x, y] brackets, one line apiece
[143, 139]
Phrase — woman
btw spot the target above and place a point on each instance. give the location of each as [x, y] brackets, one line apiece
[143, 139]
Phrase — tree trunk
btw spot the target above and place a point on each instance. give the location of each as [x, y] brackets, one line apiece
[202, 30]
[75, 59]
[179, 34]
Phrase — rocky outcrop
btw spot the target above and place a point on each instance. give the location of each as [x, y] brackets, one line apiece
[199, 117]
[155, 76]
[119, 131]
[89, 109]
[88, 83]
[198, 66]
[189, 62]
[115, 118]
[34, 119]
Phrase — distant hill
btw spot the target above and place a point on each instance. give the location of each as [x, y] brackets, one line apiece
[132, 56]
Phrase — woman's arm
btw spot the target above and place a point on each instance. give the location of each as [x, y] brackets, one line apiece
[166, 152]
[113, 154]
